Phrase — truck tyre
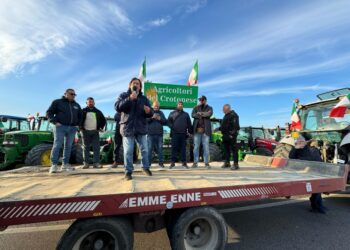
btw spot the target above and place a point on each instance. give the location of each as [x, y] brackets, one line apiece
[215, 152]
[98, 233]
[198, 228]
[282, 150]
[39, 155]
[76, 155]
[264, 152]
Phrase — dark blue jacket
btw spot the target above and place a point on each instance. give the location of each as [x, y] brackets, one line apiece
[180, 122]
[155, 127]
[64, 112]
[133, 117]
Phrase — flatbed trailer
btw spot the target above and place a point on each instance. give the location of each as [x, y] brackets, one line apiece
[107, 210]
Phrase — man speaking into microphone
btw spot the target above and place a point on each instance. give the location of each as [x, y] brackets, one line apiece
[134, 108]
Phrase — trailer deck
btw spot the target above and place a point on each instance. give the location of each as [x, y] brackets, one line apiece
[32, 195]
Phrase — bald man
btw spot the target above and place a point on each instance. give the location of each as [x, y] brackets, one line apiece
[155, 134]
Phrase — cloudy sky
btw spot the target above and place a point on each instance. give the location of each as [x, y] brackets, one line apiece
[256, 55]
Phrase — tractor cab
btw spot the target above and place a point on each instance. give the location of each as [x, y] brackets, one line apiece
[12, 123]
[330, 135]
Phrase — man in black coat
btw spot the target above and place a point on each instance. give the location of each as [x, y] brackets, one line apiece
[302, 151]
[180, 124]
[229, 129]
[118, 140]
[65, 113]
[92, 123]
[134, 108]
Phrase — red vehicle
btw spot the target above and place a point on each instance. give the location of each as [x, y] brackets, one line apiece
[107, 210]
[257, 139]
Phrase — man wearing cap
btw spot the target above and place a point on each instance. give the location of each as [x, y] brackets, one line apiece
[201, 130]
[302, 151]
[180, 124]
[92, 123]
[135, 109]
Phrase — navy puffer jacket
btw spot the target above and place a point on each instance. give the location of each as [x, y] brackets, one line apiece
[133, 116]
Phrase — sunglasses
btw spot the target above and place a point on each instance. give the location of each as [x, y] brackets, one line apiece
[73, 94]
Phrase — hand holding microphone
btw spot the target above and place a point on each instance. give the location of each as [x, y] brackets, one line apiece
[134, 93]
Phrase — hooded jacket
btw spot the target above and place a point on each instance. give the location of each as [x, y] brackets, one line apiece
[133, 116]
[100, 119]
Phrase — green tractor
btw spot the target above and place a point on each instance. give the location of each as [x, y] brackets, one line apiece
[330, 135]
[12, 123]
[32, 147]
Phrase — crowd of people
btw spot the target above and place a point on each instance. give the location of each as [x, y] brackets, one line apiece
[139, 122]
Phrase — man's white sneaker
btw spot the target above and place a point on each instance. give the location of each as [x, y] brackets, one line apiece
[67, 167]
[53, 169]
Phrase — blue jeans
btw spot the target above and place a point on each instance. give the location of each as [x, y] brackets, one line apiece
[62, 135]
[199, 139]
[155, 142]
[128, 146]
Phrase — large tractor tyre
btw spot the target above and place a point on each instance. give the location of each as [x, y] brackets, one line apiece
[282, 150]
[98, 233]
[264, 151]
[39, 155]
[76, 155]
[215, 152]
[198, 228]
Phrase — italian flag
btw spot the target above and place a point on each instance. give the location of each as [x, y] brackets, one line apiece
[142, 74]
[339, 110]
[296, 124]
[193, 78]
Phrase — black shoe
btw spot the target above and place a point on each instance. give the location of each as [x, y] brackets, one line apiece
[128, 177]
[161, 165]
[235, 166]
[172, 165]
[184, 165]
[147, 171]
[114, 165]
[207, 166]
[195, 165]
[226, 165]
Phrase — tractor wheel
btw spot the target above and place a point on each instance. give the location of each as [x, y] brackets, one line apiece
[264, 151]
[282, 150]
[215, 152]
[76, 155]
[39, 155]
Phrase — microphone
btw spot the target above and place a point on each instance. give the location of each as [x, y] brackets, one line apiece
[134, 88]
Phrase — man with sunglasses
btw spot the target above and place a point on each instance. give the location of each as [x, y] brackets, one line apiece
[66, 115]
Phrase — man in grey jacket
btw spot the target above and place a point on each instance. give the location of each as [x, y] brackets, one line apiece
[201, 130]
[155, 134]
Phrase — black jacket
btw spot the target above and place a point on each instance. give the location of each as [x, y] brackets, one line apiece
[307, 154]
[101, 120]
[179, 122]
[64, 112]
[207, 113]
[155, 127]
[133, 117]
[230, 125]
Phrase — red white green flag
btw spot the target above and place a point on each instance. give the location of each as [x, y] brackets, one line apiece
[339, 110]
[296, 124]
[193, 78]
[142, 74]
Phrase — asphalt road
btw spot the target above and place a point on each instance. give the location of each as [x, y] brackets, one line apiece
[271, 224]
